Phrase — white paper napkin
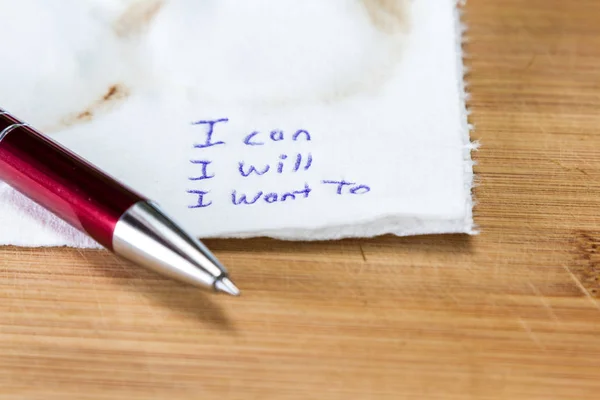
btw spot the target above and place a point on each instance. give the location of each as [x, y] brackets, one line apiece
[290, 119]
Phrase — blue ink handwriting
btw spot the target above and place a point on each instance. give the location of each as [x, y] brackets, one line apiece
[355, 189]
[276, 135]
[247, 139]
[285, 163]
[205, 174]
[200, 199]
[253, 169]
[211, 126]
[301, 132]
[269, 198]
[299, 161]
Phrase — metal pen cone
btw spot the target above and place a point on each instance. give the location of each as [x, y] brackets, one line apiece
[146, 236]
[226, 286]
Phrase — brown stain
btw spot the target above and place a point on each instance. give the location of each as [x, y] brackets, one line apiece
[587, 260]
[85, 116]
[114, 95]
[136, 18]
[115, 92]
[389, 16]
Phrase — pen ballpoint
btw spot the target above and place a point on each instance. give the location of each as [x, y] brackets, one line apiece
[115, 216]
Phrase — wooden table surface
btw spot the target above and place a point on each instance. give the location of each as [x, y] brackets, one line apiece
[510, 314]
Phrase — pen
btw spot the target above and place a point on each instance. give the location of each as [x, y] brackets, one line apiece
[115, 216]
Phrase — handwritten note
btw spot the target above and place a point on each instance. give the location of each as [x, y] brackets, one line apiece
[319, 124]
[294, 163]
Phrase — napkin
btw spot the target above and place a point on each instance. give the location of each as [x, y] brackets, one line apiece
[298, 120]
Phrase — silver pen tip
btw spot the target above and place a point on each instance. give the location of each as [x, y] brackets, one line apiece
[226, 286]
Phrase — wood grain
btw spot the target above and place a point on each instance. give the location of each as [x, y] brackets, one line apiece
[510, 314]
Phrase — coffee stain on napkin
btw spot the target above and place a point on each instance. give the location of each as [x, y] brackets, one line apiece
[389, 16]
[113, 97]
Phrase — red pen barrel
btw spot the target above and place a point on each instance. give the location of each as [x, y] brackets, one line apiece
[61, 181]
